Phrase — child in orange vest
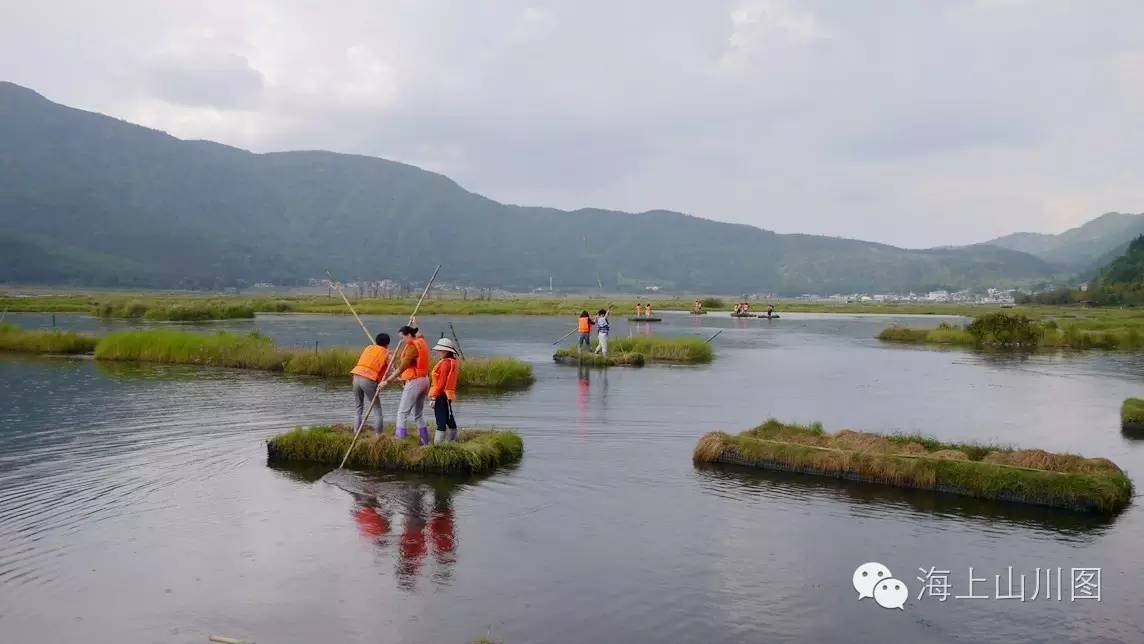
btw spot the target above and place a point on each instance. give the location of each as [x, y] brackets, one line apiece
[584, 328]
[443, 390]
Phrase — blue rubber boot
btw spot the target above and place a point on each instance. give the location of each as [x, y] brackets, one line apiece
[423, 433]
[400, 433]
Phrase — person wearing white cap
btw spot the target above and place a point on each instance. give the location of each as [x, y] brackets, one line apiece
[443, 390]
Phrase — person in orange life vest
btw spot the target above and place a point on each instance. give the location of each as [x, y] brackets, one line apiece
[443, 390]
[584, 328]
[413, 369]
[368, 371]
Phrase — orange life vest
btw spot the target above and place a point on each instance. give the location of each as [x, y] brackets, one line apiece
[420, 368]
[371, 362]
[583, 325]
[444, 379]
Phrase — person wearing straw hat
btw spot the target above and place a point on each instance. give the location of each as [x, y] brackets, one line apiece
[443, 390]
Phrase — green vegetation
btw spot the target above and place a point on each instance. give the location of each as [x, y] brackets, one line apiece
[133, 203]
[568, 355]
[1027, 476]
[255, 351]
[712, 303]
[658, 349]
[1120, 282]
[190, 311]
[1132, 413]
[999, 330]
[17, 340]
[473, 452]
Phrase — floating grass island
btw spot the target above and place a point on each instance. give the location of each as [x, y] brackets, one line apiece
[255, 351]
[637, 351]
[1025, 476]
[16, 340]
[568, 355]
[475, 451]
[1132, 415]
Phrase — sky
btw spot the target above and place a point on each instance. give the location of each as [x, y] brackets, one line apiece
[916, 123]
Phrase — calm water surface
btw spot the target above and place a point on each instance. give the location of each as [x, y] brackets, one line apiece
[136, 504]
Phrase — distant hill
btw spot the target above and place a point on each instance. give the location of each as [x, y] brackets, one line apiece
[1083, 248]
[88, 199]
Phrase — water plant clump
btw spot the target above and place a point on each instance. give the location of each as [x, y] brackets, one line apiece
[256, 351]
[569, 355]
[474, 451]
[1027, 476]
[176, 311]
[17, 340]
[655, 349]
[1132, 414]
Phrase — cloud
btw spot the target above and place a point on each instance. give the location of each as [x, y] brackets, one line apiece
[912, 123]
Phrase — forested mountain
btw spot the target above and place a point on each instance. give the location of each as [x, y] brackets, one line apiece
[1083, 248]
[89, 199]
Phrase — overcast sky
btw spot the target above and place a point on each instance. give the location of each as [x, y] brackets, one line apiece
[917, 123]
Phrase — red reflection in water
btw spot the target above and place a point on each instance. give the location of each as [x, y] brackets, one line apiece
[422, 530]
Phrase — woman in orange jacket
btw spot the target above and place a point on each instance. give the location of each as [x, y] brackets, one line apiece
[368, 371]
[443, 390]
[413, 369]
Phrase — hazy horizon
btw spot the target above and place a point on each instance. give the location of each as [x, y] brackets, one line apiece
[916, 125]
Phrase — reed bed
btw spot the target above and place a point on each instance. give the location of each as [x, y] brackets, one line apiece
[184, 311]
[16, 340]
[1117, 332]
[255, 351]
[475, 451]
[655, 349]
[568, 355]
[984, 471]
[1132, 414]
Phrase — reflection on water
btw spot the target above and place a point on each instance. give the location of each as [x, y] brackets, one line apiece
[883, 500]
[136, 504]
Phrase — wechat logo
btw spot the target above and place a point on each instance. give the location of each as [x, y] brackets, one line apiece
[872, 579]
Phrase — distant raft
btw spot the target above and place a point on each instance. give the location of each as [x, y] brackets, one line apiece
[1024, 476]
[475, 451]
[644, 319]
[744, 315]
[699, 312]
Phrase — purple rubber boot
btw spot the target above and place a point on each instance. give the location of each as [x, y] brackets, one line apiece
[423, 432]
[400, 433]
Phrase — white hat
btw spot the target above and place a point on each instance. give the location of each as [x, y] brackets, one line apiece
[445, 344]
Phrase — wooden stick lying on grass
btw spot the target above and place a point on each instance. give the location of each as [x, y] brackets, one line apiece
[390, 364]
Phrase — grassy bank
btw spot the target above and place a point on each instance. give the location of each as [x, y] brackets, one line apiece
[658, 349]
[568, 355]
[17, 340]
[254, 351]
[1018, 331]
[1027, 476]
[473, 452]
[1132, 413]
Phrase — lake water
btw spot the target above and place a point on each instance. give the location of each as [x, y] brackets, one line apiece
[136, 504]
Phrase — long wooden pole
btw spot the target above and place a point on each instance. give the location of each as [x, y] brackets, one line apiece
[388, 369]
[713, 337]
[457, 340]
[351, 306]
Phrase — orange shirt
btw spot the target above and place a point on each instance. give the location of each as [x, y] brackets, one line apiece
[371, 362]
[444, 378]
[415, 359]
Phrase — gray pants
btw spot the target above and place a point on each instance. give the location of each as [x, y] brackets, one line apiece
[603, 347]
[364, 389]
[413, 402]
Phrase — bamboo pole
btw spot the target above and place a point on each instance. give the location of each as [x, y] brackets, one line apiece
[390, 362]
[457, 340]
[713, 337]
[347, 301]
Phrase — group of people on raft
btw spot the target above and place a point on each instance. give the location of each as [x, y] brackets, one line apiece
[643, 310]
[744, 308]
[375, 369]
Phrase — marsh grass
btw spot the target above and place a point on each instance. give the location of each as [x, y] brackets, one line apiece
[177, 311]
[985, 471]
[1061, 333]
[475, 450]
[568, 355]
[1132, 413]
[16, 340]
[656, 349]
[255, 351]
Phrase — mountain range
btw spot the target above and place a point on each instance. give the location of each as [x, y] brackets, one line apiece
[87, 199]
